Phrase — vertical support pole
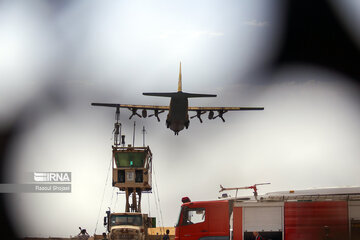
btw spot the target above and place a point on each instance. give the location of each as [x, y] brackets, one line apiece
[143, 131]
[127, 206]
[117, 114]
[134, 134]
[134, 205]
[117, 127]
[112, 166]
[117, 132]
[139, 201]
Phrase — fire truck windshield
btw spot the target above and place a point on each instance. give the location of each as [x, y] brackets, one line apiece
[193, 216]
[135, 220]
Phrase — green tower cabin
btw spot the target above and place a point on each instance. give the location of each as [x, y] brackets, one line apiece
[132, 173]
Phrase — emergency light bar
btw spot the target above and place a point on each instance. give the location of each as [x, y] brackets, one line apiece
[185, 200]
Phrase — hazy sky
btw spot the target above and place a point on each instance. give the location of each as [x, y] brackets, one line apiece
[57, 57]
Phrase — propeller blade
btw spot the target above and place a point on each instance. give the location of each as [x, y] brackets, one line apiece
[220, 115]
[134, 112]
[198, 116]
[156, 114]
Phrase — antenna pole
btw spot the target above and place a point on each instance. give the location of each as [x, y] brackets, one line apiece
[134, 134]
[143, 131]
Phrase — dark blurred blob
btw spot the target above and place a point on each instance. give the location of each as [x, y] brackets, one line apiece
[52, 100]
[315, 35]
[6, 137]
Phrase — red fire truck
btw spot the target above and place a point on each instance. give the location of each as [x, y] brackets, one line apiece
[332, 213]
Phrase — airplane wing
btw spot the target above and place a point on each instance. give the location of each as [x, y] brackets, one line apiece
[220, 111]
[157, 109]
[131, 106]
[224, 108]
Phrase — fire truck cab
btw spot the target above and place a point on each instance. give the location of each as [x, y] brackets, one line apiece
[292, 215]
[203, 219]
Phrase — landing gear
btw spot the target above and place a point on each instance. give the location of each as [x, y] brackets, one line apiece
[167, 124]
[187, 123]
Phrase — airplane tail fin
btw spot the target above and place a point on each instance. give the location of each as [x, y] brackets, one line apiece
[180, 80]
[179, 92]
[190, 95]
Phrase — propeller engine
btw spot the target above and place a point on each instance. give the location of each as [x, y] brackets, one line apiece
[198, 115]
[134, 112]
[211, 115]
[220, 114]
[156, 114]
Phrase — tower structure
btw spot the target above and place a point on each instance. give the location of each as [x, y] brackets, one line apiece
[131, 168]
[132, 172]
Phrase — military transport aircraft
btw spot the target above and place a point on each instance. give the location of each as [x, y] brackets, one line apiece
[178, 116]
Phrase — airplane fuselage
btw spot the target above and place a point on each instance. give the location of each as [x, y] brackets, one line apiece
[178, 116]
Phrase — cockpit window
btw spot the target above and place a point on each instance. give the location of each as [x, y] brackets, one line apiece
[193, 216]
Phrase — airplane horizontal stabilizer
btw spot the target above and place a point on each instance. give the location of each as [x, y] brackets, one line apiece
[106, 104]
[196, 95]
[163, 94]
